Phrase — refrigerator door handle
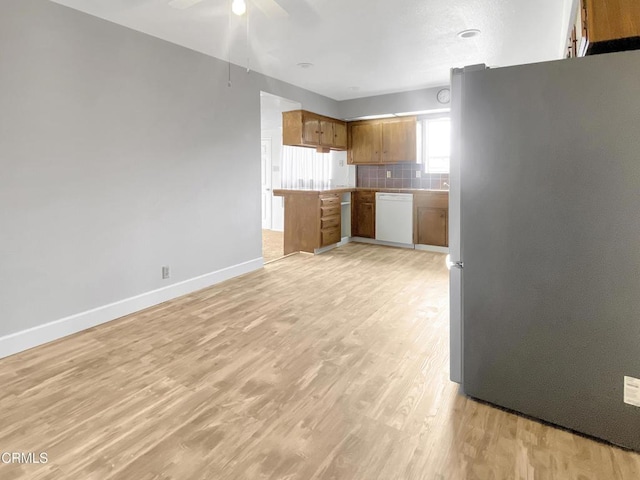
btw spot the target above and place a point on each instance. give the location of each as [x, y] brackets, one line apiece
[451, 264]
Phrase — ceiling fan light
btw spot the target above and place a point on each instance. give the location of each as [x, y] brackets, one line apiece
[470, 33]
[239, 7]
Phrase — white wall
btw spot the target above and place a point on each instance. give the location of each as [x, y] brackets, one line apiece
[343, 175]
[403, 102]
[119, 153]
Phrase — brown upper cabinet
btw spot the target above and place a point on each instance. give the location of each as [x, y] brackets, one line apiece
[610, 25]
[306, 129]
[388, 140]
[603, 26]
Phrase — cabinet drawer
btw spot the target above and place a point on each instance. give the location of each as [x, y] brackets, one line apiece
[329, 236]
[329, 222]
[433, 200]
[330, 210]
[330, 200]
[367, 197]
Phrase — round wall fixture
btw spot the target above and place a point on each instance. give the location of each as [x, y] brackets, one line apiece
[472, 32]
[444, 96]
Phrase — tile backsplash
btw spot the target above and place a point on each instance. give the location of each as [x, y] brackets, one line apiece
[403, 175]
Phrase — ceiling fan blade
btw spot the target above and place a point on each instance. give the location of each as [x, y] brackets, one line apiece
[183, 4]
[270, 8]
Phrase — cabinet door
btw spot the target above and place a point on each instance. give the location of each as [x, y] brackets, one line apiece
[365, 143]
[399, 140]
[310, 130]
[367, 215]
[612, 19]
[363, 217]
[432, 226]
[292, 127]
[340, 135]
[326, 133]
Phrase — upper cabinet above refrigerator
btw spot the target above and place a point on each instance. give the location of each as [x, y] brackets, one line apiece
[604, 26]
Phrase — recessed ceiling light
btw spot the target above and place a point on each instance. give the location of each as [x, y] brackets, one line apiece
[239, 7]
[305, 65]
[354, 89]
[472, 32]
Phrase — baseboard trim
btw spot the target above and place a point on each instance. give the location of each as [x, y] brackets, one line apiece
[48, 332]
[373, 241]
[318, 251]
[417, 246]
[432, 248]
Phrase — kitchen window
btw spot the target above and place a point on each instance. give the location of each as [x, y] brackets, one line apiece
[304, 168]
[434, 144]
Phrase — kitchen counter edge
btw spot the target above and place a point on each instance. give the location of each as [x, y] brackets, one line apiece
[280, 192]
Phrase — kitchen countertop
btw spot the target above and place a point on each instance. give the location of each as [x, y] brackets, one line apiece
[400, 190]
[286, 191]
[315, 191]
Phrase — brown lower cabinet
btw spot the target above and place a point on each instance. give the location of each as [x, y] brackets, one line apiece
[330, 219]
[363, 214]
[312, 220]
[431, 217]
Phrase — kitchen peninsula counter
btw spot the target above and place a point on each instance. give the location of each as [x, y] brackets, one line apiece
[281, 192]
[314, 218]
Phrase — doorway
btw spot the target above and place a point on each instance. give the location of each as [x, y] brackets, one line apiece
[271, 108]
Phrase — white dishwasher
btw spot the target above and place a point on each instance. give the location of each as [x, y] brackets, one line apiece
[394, 217]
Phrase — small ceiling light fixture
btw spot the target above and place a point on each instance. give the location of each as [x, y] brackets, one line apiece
[305, 65]
[239, 7]
[470, 33]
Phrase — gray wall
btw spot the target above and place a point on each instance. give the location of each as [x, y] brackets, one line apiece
[119, 153]
[550, 239]
[412, 101]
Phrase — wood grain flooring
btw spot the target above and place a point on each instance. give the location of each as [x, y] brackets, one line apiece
[272, 245]
[315, 367]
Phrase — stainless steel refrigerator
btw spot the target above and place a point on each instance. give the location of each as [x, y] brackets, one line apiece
[545, 232]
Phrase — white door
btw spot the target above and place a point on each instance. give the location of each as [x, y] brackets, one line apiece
[267, 194]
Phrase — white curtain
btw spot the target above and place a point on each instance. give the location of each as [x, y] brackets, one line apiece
[304, 168]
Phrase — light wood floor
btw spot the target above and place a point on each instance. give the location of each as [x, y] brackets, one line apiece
[272, 245]
[325, 367]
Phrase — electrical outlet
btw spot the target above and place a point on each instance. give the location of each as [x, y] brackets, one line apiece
[632, 391]
[341, 163]
[418, 174]
[388, 173]
[166, 273]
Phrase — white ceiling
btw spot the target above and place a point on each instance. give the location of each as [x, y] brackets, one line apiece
[359, 48]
